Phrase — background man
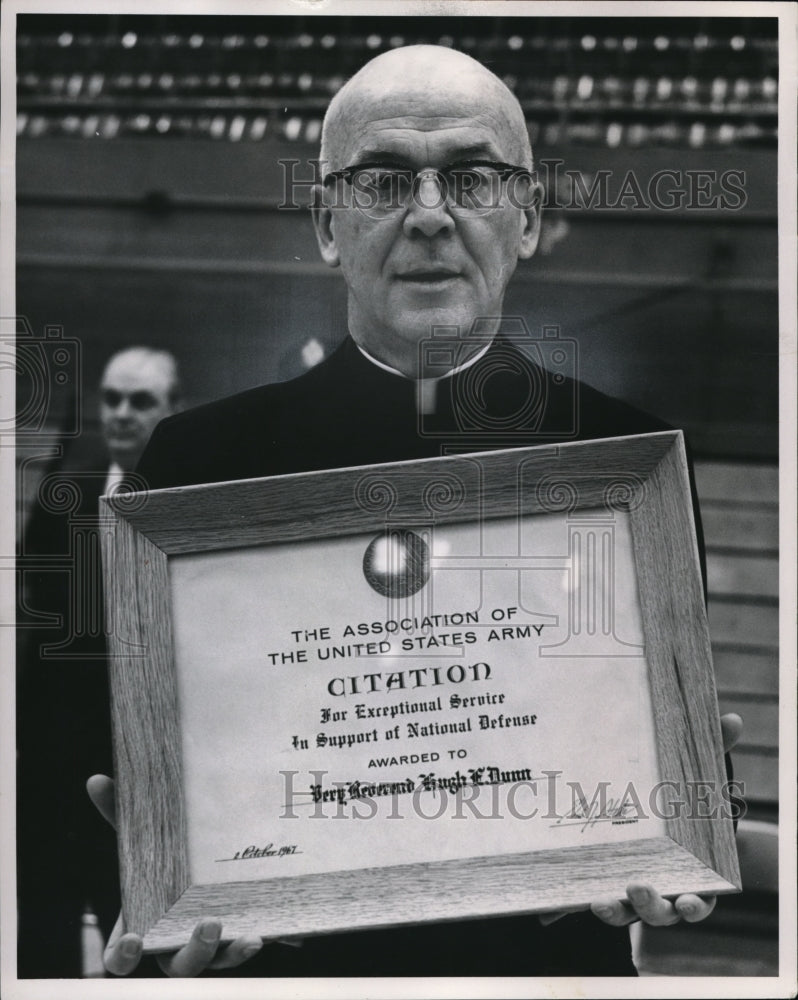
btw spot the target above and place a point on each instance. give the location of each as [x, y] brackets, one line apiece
[139, 388]
[427, 205]
[65, 866]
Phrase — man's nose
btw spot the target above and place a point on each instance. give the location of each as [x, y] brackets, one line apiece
[428, 212]
[123, 408]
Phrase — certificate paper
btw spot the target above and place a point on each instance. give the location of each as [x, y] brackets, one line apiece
[469, 718]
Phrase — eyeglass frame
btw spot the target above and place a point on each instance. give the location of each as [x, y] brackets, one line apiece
[140, 400]
[503, 170]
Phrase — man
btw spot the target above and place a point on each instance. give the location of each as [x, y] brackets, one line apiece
[139, 388]
[63, 720]
[427, 204]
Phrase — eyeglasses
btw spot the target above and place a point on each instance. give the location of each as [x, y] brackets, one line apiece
[468, 189]
[141, 400]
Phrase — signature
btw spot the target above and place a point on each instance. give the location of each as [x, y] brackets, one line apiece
[269, 851]
[587, 815]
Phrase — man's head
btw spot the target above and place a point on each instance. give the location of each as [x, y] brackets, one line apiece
[139, 387]
[429, 263]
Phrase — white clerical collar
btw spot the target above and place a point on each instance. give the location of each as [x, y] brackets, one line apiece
[115, 476]
[452, 371]
[426, 388]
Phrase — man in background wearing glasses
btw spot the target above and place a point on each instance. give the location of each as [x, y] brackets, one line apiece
[427, 204]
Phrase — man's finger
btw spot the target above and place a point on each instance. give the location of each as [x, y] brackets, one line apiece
[731, 728]
[237, 952]
[101, 792]
[614, 912]
[652, 908]
[197, 954]
[693, 908]
[123, 952]
[550, 918]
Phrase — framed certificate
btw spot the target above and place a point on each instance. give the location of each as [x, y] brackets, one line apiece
[423, 691]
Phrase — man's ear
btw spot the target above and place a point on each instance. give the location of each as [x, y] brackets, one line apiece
[530, 233]
[324, 225]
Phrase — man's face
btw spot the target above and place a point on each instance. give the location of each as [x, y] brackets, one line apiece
[135, 394]
[425, 265]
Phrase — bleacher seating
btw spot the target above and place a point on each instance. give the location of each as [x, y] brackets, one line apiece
[684, 82]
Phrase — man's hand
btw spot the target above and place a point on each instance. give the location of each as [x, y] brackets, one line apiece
[123, 951]
[645, 903]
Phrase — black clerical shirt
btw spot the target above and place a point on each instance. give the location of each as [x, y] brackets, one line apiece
[348, 411]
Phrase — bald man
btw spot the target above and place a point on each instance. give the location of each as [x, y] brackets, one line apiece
[427, 204]
[139, 388]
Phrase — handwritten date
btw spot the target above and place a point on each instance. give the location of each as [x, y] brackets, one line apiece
[269, 851]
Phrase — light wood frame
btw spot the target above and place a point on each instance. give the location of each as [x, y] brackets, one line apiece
[144, 530]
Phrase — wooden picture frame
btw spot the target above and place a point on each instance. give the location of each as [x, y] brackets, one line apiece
[645, 476]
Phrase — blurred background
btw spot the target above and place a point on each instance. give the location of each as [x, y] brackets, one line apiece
[149, 194]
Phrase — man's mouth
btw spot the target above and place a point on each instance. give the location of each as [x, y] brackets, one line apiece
[429, 275]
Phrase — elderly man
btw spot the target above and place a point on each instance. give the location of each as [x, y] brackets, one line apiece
[63, 721]
[427, 205]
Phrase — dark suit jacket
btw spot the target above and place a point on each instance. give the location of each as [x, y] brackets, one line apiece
[66, 854]
[348, 411]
